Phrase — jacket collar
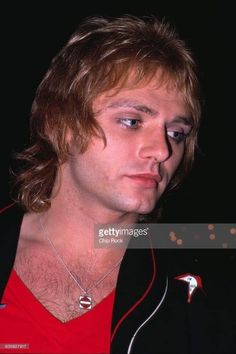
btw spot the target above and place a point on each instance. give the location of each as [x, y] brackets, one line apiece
[10, 224]
[140, 287]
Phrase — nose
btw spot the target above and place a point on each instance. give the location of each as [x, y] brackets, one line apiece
[156, 146]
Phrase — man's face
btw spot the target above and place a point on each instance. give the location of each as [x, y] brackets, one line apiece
[145, 129]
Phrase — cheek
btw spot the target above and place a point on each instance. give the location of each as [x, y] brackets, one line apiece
[171, 165]
[117, 150]
[177, 158]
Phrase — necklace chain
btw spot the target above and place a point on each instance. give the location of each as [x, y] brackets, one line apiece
[60, 259]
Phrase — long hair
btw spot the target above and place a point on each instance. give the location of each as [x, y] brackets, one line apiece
[99, 56]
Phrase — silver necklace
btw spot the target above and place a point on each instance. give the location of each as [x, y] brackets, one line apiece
[85, 300]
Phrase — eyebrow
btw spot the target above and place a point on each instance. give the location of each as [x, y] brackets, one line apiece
[135, 105]
[184, 120]
[143, 108]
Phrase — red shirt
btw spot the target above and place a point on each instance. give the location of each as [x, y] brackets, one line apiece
[27, 327]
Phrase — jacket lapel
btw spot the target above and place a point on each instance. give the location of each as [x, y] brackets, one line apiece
[10, 223]
[141, 285]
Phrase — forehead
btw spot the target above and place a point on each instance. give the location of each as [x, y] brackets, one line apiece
[149, 97]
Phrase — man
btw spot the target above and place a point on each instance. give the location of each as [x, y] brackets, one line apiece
[114, 124]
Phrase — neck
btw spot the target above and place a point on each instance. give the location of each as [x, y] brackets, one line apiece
[72, 229]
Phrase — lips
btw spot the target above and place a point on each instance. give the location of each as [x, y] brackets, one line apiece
[147, 180]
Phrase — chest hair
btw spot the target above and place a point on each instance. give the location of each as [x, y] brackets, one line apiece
[52, 286]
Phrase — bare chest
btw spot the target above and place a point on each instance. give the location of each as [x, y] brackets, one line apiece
[55, 290]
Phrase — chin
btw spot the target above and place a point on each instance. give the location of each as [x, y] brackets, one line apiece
[132, 203]
[142, 207]
[145, 211]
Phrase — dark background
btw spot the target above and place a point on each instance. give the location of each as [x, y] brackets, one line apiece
[31, 34]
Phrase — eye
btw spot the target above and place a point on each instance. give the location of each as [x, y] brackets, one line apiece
[177, 136]
[130, 123]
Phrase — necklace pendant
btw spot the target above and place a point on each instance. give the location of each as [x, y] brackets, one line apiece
[85, 302]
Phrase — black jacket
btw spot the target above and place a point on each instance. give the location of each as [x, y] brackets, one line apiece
[151, 313]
